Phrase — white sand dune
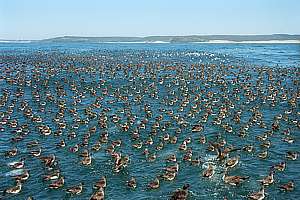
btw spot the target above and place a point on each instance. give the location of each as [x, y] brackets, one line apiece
[143, 42]
[15, 41]
[254, 42]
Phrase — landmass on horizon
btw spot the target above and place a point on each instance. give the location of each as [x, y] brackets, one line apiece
[174, 39]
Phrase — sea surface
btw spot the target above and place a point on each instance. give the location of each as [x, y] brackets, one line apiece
[259, 54]
[174, 82]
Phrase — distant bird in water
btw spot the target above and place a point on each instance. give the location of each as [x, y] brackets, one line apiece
[181, 194]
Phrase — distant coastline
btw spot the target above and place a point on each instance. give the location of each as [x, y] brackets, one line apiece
[254, 42]
[275, 38]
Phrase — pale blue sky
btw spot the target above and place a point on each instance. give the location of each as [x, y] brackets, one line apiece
[37, 19]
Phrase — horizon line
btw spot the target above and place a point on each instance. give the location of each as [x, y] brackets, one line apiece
[156, 35]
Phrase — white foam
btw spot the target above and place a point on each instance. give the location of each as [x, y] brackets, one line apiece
[15, 172]
[193, 54]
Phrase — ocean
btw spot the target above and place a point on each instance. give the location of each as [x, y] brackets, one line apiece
[158, 91]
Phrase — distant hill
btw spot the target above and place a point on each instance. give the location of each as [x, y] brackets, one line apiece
[177, 39]
[170, 39]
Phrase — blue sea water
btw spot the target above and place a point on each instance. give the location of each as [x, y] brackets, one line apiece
[260, 54]
[283, 59]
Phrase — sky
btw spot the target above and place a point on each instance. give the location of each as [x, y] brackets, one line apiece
[39, 19]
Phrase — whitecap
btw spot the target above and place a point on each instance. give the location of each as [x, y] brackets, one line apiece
[15, 172]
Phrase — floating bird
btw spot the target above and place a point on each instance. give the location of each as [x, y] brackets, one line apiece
[101, 183]
[36, 153]
[233, 180]
[280, 166]
[291, 155]
[260, 195]
[15, 189]
[209, 172]
[268, 180]
[98, 195]
[131, 183]
[232, 162]
[77, 189]
[22, 177]
[154, 184]
[17, 164]
[287, 187]
[57, 183]
[52, 176]
[11, 153]
[181, 194]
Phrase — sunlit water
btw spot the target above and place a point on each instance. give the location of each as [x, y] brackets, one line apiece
[100, 59]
